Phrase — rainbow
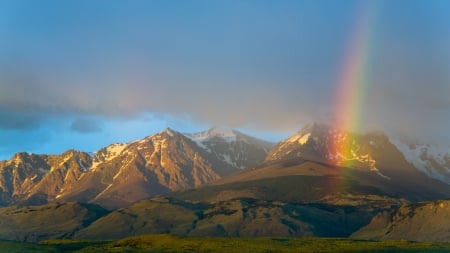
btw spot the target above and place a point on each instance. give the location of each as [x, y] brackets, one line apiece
[353, 79]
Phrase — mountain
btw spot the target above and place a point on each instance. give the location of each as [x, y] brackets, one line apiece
[121, 174]
[323, 143]
[124, 173]
[426, 221]
[373, 151]
[432, 160]
[238, 150]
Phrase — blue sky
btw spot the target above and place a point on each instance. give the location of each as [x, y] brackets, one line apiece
[83, 74]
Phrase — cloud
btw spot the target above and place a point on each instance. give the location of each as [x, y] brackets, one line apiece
[398, 104]
[272, 69]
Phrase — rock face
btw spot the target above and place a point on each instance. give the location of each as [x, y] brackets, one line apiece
[120, 174]
[428, 221]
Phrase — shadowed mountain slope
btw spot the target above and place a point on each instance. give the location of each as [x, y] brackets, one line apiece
[240, 217]
[56, 221]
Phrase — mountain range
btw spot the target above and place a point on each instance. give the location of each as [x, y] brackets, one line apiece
[121, 174]
[225, 183]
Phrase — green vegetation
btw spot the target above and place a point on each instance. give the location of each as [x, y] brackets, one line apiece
[173, 244]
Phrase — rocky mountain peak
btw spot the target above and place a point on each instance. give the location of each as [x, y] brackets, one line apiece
[327, 144]
[223, 133]
[21, 157]
[233, 148]
[168, 132]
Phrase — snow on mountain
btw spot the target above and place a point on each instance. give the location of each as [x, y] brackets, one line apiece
[108, 153]
[164, 162]
[320, 142]
[374, 151]
[433, 160]
[225, 134]
[232, 147]
[168, 161]
[157, 164]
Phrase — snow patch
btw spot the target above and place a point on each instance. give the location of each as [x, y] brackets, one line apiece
[115, 149]
[169, 132]
[112, 152]
[426, 157]
[42, 170]
[227, 134]
[202, 145]
[364, 159]
[227, 159]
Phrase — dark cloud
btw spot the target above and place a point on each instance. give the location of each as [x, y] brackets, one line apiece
[19, 120]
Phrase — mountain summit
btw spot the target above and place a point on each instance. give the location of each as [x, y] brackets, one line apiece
[323, 143]
[232, 147]
[373, 151]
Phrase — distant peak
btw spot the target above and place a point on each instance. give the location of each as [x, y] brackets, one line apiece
[221, 131]
[315, 129]
[71, 152]
[216, 132]
[21, 155]
[168, 131]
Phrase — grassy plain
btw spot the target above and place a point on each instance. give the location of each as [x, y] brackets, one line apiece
[175, 244]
